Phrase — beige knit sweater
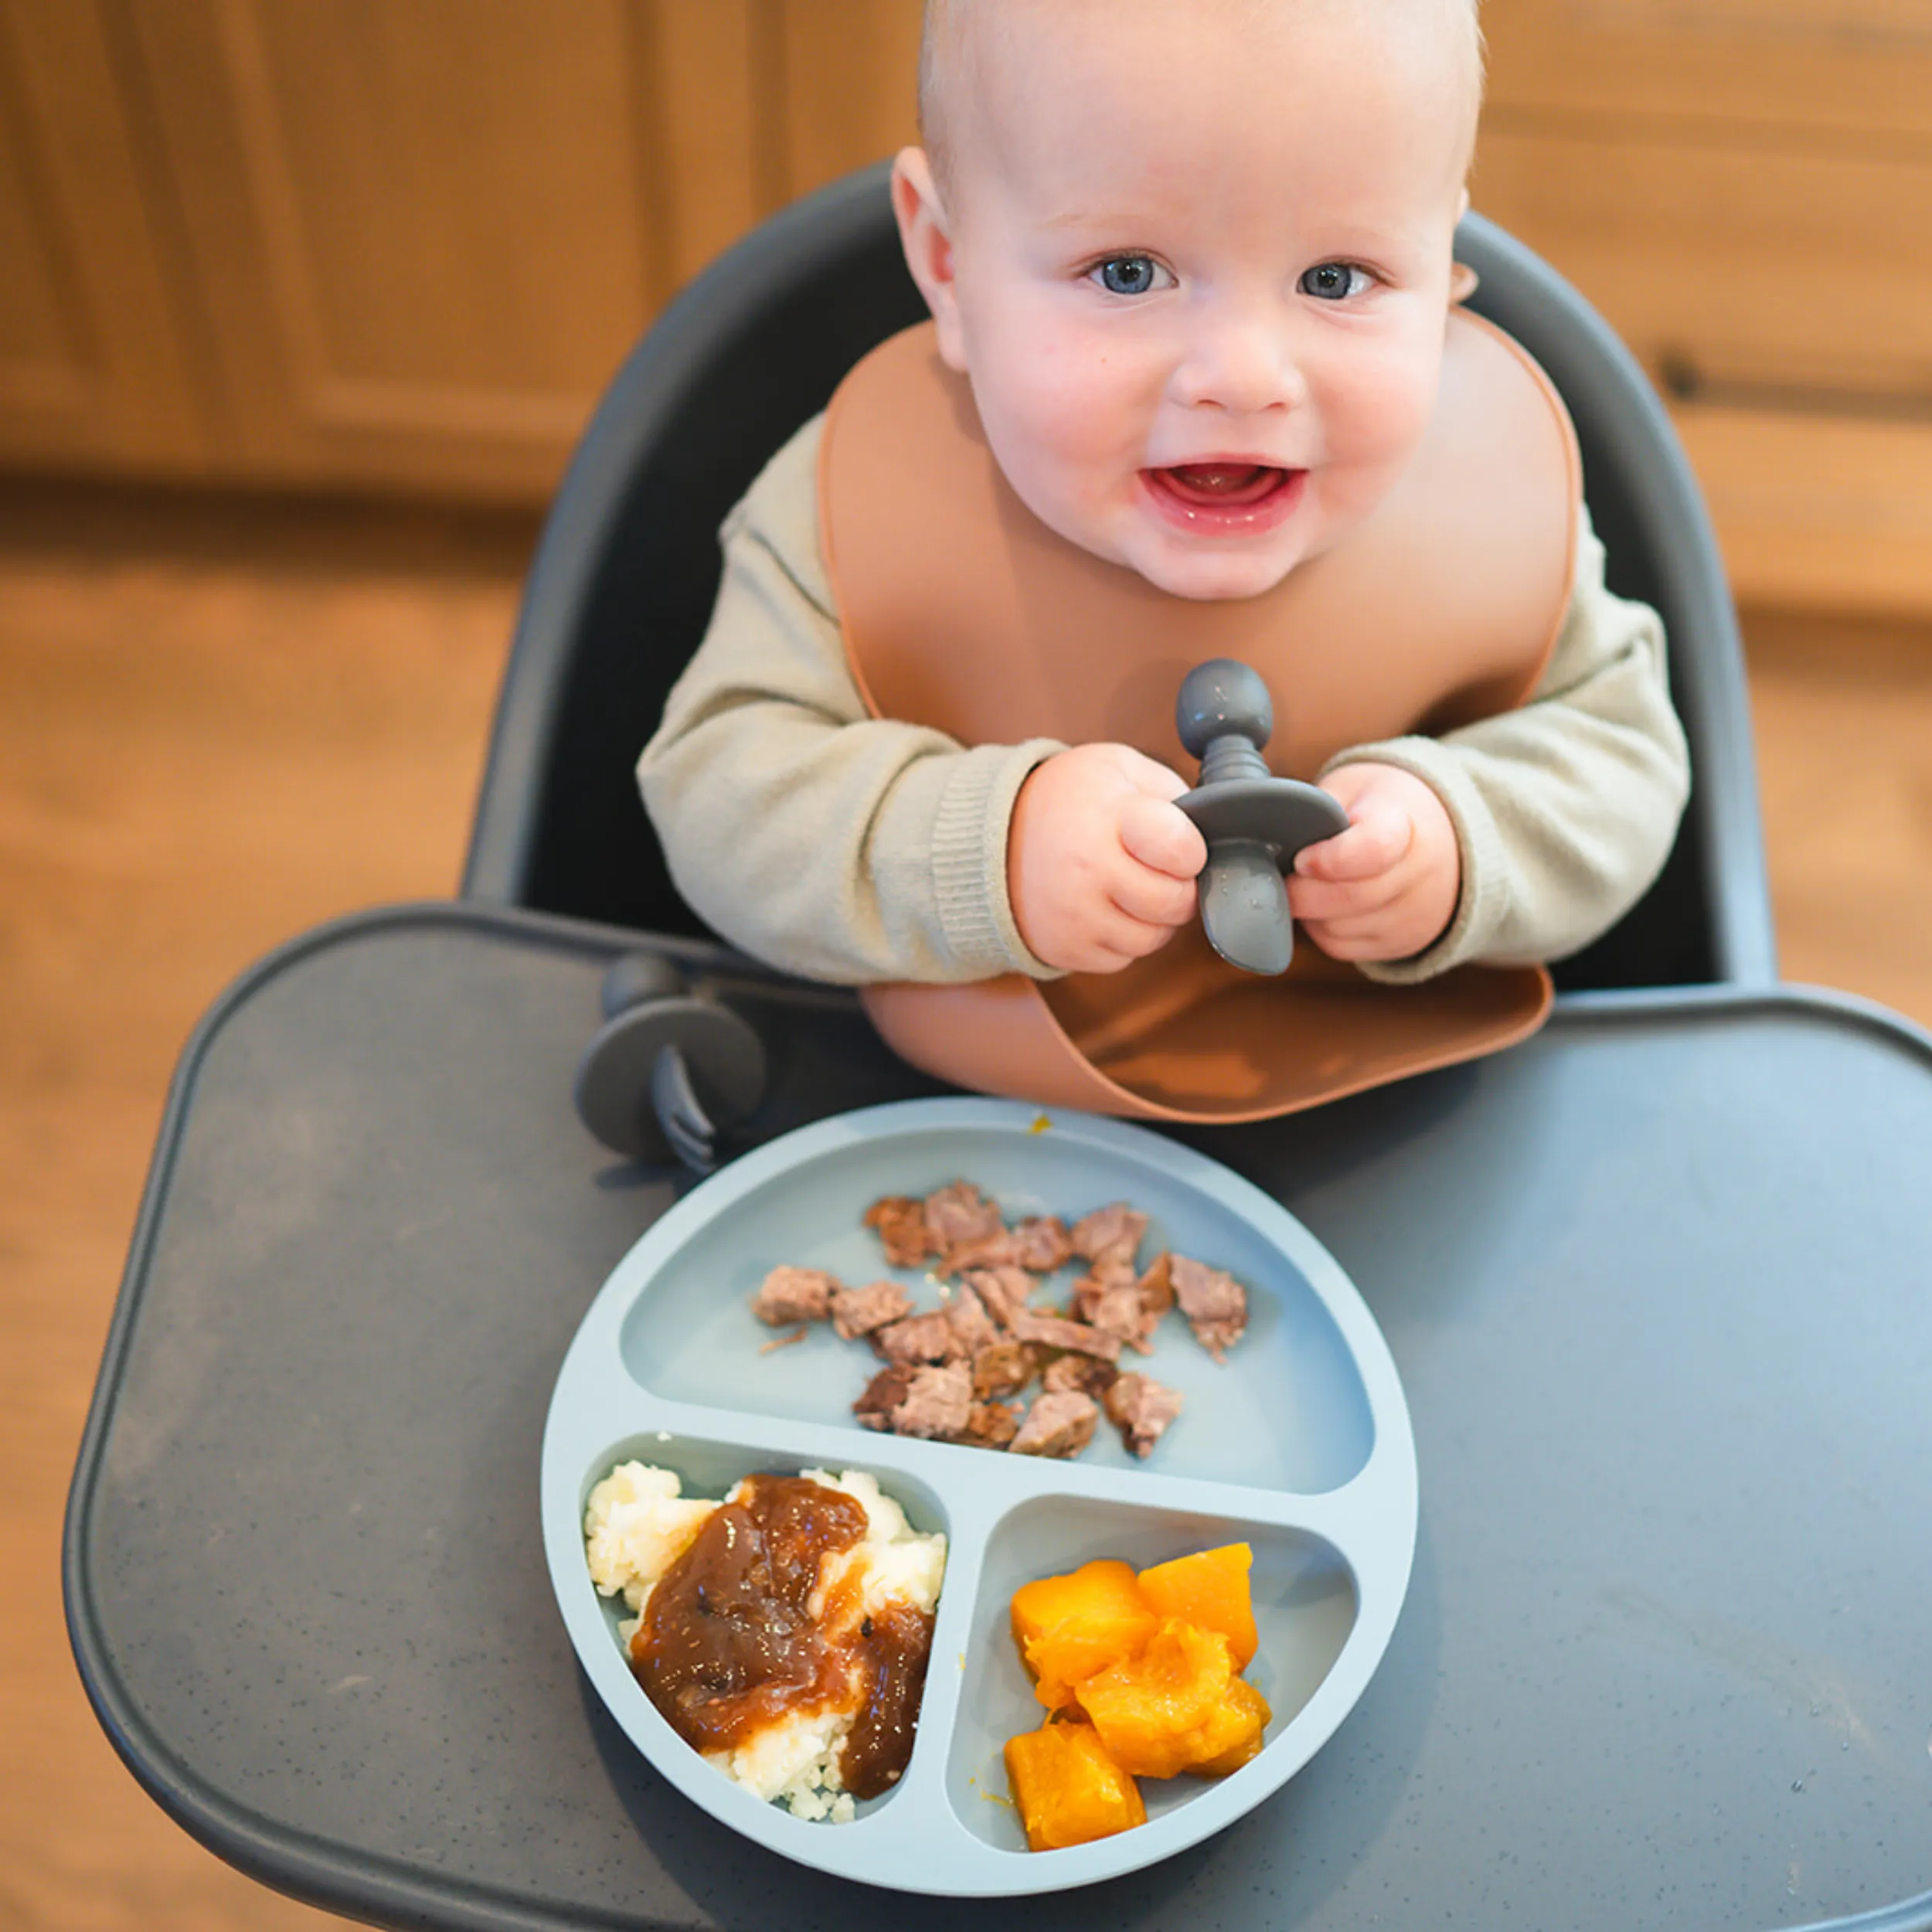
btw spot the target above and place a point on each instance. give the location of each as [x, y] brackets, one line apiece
[851, 849]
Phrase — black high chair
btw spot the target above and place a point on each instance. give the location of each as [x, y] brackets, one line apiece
[1654, 1282]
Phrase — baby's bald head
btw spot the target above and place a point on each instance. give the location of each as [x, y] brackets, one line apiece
[969, 47]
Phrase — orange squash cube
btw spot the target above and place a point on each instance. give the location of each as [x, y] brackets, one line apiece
[1070, 1626]
[1244, 1716]
[1209, 1588]
[1167, 1709]
[1068, 1791]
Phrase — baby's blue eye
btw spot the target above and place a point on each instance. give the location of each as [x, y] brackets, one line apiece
[1129, 274]
[1332, 281]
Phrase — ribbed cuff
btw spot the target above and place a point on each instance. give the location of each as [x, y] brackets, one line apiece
[969, 860]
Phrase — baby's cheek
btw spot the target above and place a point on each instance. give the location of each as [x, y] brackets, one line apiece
[1059, 446]
[1381, 403]
[1368, 462]
[1405, 403]
[1076, 417]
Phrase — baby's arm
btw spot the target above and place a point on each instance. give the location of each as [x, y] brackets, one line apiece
[1559, 814]
[829, 842]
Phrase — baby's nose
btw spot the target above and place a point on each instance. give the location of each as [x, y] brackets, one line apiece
[1243, 365]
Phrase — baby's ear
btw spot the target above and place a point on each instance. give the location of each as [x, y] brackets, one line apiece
[923, 235]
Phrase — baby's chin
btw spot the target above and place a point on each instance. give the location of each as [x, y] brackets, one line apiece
[1207, 572]
[1203, 569]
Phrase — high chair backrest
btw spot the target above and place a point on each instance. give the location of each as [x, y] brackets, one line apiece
[622, 582]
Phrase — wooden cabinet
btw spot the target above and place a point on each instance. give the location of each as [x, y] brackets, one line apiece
[402, 244]
[94, 370]
[422, 234]
[1744, 188]
[390, 243]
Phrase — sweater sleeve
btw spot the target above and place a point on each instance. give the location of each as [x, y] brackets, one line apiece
[1564, 809]
[828, 842]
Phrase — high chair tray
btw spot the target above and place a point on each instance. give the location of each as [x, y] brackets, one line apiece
[1656, 1284]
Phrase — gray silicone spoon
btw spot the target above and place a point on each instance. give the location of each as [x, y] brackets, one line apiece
[1254, 823]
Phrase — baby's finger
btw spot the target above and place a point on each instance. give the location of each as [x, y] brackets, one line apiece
[1096, 958]
[1154, 898]
[1323, 899]
[1148, 774]
[1379, 833]
[1121, 939]
[1159, 834]
[1366, 930]
[1348, 942]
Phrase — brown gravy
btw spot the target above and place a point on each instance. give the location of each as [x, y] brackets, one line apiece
[728, 1645]
[895, 1645]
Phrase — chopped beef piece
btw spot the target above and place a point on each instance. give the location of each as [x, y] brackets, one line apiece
[937, 1404]
[1002, 1368]
[1111, 1232]
[1157, 1285]
[1085, 1372]
[1215, 1305]
[991, 1425]
[988, 1251]
[794, 1295]
[901, 1222]
[1141, 1408]
[958, 1213]
[1003, 1291]
[966, 1315]
[919, 1338]
[1057, 1425]
[884, 1394]
[784, 1341]
[1119, 1300]
[924, 1400]
[857, 1311]
[1116, 1308]
[1042, 1244]
[1053, 1332]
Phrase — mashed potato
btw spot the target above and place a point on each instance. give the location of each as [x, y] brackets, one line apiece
[637, 1524]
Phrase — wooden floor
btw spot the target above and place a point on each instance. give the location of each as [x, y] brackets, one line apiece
[220, 725]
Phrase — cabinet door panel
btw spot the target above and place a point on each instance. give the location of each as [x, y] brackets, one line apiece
[1855, 70]
[1823, 513]
[91, 373]
[422, 228]
[1807, 276]
[710, 107]
[1782, 302]
[849, 77]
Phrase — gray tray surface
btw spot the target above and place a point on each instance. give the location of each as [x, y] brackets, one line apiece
[1656, 1284]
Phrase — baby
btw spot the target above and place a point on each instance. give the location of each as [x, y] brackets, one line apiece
[1193, 257]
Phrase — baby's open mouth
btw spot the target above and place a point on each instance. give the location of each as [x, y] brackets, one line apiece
[1234, 499]
[1223, 485]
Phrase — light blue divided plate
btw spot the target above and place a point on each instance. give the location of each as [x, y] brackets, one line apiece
[1300, 1445]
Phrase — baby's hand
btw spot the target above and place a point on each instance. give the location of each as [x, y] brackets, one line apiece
[1100, 862]
[1387, 887]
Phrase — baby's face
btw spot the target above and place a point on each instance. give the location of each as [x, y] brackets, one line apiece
[1194, 260]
